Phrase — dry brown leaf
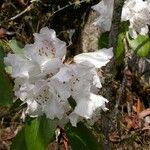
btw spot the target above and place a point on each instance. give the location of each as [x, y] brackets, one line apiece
[7, 134]
[132, 122]
[2, 33]
[138, 106]
[144, 113]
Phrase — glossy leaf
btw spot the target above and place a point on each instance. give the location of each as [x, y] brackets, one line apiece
[39, 132]
[140, 45]
[81, 138]
[36, 134]
[47, 129]
[19, 142]
[16, 46]
[6, 89]
[32, 137]
[119, 50]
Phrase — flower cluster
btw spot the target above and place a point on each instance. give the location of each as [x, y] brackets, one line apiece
[136, 11]
[44, 82]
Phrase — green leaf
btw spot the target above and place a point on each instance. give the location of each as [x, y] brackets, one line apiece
[47, 129]
[35, 135]
[39, 132]
[119, 51]
[19, 142]
[16, 46]
[2, 54]
[140, 45]
[81, 138]
[6, 89]
[103, 40]
[32, 137]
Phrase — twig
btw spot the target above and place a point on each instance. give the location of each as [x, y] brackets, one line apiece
[20, 14]
[126, 137]
[71, 4]
[123, 84]
[62, 8]
[115, 23]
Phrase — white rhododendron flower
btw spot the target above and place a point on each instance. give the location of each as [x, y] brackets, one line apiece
[45, 83]
[46, 47]
[105, 10]
[138, 14]
[86, 106]
[136, 11]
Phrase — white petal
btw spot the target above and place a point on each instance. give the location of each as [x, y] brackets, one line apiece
[80, 89]
[77, 77]
[47, 46]
[38, 53]
[138, 13]
[99, 101]
[53, 109]
[18, 82]
[127, 10]
[24, 91]
[86, 107]
[62, 90]
[51, 67]
[98, 59]
[144, 30]
[59, 45]
[96, 79]
[45, 31]
[65, 74]
[68, 72]
[105, 10]
[74, 119]
[33, 109]
[41, 92]
[20, 66]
